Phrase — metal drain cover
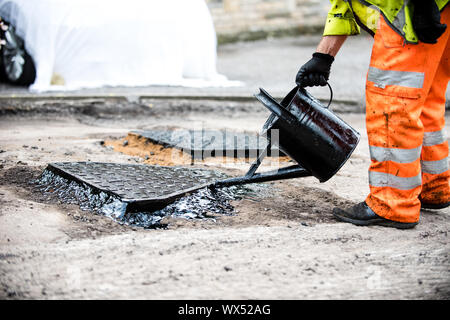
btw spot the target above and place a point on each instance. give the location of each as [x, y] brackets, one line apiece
[201, 144]
[140, 186]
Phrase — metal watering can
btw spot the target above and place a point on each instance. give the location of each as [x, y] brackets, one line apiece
[318, 140]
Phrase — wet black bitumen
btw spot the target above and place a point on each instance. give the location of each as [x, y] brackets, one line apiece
[94, 187]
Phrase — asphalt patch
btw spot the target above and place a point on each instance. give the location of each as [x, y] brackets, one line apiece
[201, 144]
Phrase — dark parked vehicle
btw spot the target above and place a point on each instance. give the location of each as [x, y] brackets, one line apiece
[16, 65]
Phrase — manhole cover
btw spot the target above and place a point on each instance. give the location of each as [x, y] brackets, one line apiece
[201, 144]
[138, 186]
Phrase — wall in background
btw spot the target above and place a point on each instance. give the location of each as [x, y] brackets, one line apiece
[255, 19]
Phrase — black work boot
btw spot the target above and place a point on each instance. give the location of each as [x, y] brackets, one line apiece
[361, 215]
[425, 205]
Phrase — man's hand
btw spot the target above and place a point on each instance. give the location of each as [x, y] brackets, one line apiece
[426, 21]
[316, 71]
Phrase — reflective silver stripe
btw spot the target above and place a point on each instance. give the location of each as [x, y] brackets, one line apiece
[433, 138]
[399, 78]
[393, 154]
[380, 179]
[435, 167]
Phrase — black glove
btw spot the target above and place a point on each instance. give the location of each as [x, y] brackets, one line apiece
[426, 21]
[316, 71]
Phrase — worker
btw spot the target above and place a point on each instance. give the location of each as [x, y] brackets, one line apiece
[405, 103]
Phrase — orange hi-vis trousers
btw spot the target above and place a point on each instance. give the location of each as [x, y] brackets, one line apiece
[405, 106]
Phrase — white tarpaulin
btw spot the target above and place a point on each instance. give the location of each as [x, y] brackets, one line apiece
[92, 43]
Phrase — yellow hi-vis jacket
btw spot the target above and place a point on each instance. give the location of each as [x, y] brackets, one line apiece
[347, 16]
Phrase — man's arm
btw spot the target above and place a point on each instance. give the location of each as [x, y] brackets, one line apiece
[331, 44]
[317, 70]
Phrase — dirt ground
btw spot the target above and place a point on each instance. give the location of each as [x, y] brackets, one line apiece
[282, 244]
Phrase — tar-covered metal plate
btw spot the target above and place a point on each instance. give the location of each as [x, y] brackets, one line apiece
[201, 144]
[139, 185]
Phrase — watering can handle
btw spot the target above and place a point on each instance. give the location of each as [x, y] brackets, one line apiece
[331, 95]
